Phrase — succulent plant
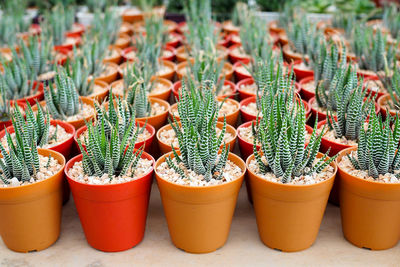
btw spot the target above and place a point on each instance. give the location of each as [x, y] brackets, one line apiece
[80, 75]
[5, 107]
[11, 24]
[138, 87]
[391, 20]
[197, 136]
[16, 79]
[240, 13]
[35, 128]
[57, 22]
[62, 99]
[106, 23]
[370, 49]
[346, 96]
[254, 37]
[21, 161]
[282, 135]
[392, 84]
[106, 155]
[377, 150]
[38, 55]
[345, 21]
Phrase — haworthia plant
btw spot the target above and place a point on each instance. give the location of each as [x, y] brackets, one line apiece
[197, 137]
[5, 107]
[80, 75]
[282, 135]
[57, 22]
[10, 25]
[62, 99]
[391, 20]
[392, 84]
[38, 55]
[377, 151]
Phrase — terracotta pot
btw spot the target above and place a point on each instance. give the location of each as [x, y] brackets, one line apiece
[368, 80]
[273, 27]
[181, 54]
[289, 55]
[69, 46]
[5, 124]
[170, 57]
[183, 67]
[176, 40]
[178, 85]
[166, 148]
[125, 28]
[288, 216]
[123, 41]
[236, 58]
[382, 106]
[300, 72]
[79, 29]
[207, 209]
[370, 211]
[38, 96]
[114, 58]
[230, 118]
[109, 77]
[159, 120]
[31, 214]
[364, 75]
[229, 28]
[147, 143]
[132, 16]
[171, 74]
[314, 112]
[113, 216]
[306, 94]
[77, 123]
[101, 95]
[234, 39]
[238, 71]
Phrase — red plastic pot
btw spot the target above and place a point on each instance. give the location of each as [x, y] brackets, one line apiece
[147, 143]
[69, 47]
[32, 99]
[236, 58]
[79, 31]
[172, 56]
[176, 40]
[178, 84]
[306, 94]
[300, 72]
[240, 75]
[365, 75]
[113, 216]
[232, 39]
[369, 91]
[5, 124]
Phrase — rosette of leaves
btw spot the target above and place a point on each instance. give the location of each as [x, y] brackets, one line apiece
[106, 23]
[304, 38]
[35, 128]
[93, 52]
[20, 161]
[80, 75]
[282, 135]
[57, 22]
[17, 79]
[371, 51]
[254, 37]
[197, 136]
[391, 19]
[62, 99]
[377, 151]
[138, 86]
[106, 154]
[38, 55]
[346, 97]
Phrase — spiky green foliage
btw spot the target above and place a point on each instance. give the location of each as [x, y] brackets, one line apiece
[35, 128]
[80, 75]
[392, 84]
[38, 55]
[370, 49]
[16, 79]
[5, 107]
[326, 66]
[240, 13]
[347, 97]
[12, 23]
[93, 52]
[304, 38]
[282, 135]
[254, 37]
[106, 144]
[345, 21]
[378, 146]
[197, 136]
[391, 20]
[62, 99]
[21, 160]
[138, 85]
[106, 23]
[57, 22]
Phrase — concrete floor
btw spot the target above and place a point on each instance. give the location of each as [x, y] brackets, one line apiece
[243, 247]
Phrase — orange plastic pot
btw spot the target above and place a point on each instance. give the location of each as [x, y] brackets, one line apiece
[170, 74]
[109, 77]
[123, 41]
[230, 118]
[289, 55]
[147, 143]
[288, 216]
[69, 46]
[233, 58]
[370, 211]
[245, 147]
[183, 68]
[182, 55]
[230, 28]
[31, 214]
[159, 120]
[199, 218]
[102, 94]
[300, 72]
[178, 85]
[77, 123]
[166, 148]
[38, 96]
[113, 216]
[306, 94]
[382, 103]
[273, 27]
[79, 29]
[169, 57]
[175, 40]
[115, 58]
[237, 70]
[132, 15]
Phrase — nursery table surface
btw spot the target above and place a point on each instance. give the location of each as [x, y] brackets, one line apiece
[243, 247]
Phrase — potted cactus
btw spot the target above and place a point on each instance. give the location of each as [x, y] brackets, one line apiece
[390, 102]
[30, 191]
[63, 102]
[11, 25]
[370, 186]
[198, 185]
[289, 180]
[110, 182]
[19, 82]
